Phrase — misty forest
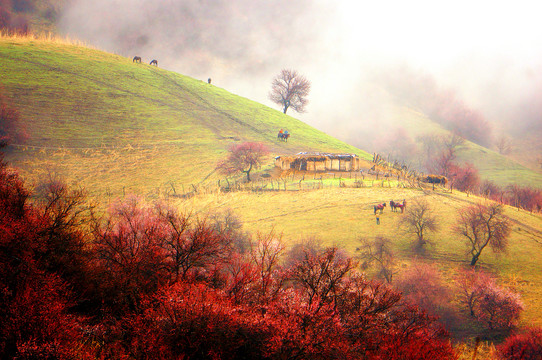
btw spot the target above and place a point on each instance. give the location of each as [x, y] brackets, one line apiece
[270, 180]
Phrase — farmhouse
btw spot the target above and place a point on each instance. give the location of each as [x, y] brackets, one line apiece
[314, 161]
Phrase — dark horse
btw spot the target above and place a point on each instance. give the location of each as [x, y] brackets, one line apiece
[136, 59]
[380, 207]
[395, 205]
[283, 136]
[154, 62]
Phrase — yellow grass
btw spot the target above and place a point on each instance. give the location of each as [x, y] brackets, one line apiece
[45, 37]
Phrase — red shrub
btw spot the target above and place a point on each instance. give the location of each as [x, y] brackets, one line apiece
[34, 317]
[466, 178]
[526, 346]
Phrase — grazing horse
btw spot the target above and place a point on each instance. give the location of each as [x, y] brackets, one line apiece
[283, 136]
[380, 207]
[154, 62]
[394, 205]
[136, 59]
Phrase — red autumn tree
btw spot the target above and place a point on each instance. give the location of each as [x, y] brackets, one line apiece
[243, 158]
[190, 245]
[35, 321]
[523, 346]
[499, 307]
[129, 260]
[465, 178]
[422, 285]
[488, 302]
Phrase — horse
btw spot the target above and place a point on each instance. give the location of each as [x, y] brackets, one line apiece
[394, 205]
[380, 207]
[283, 136]
[136, 59]
[154, 62]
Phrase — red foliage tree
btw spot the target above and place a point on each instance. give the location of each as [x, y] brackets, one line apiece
[243, 158]
[465, 178]
[525, 346]
[488, 302]
[422, 285]
[499, 307]
[34, 317]
[129, 261]
[190, 245]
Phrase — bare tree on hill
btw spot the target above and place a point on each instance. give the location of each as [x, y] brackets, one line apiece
[483, 226]
[289, 89]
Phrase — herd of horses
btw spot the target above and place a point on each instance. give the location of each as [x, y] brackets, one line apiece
[394, 205]
[137, 59]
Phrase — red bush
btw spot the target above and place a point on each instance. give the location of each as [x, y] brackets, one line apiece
[525, 346]
[35, 321]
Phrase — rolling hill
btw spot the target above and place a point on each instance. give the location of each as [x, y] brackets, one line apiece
[115, 127]
[112, 125]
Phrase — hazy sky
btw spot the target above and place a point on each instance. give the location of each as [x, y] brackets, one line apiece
[490, 52]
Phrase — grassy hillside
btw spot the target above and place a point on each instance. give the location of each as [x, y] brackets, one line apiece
[503, 170]
[115, 126]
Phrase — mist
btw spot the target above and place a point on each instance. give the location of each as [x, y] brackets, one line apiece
[487, 54]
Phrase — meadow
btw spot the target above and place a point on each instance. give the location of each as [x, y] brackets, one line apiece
[340, 216]
[113, 128]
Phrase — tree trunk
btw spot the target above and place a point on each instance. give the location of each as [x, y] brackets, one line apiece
[474, 259]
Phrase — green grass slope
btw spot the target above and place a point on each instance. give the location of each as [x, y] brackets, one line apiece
[112, 125]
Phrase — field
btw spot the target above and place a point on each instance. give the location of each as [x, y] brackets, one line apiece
[113, 127]
[341, 216]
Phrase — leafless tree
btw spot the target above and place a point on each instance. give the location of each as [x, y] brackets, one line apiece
[483, 226]
[504, 145]
[289, 89]
[378, 252]
[419, 221]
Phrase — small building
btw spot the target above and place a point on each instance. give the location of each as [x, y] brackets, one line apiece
[314, 161]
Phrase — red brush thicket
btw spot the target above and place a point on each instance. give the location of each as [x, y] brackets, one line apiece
[525, 346]
[148, 282]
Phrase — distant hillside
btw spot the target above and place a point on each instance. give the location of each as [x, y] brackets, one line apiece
[399, 141]
[112, 125]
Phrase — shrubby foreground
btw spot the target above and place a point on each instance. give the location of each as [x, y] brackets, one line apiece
[146, 282]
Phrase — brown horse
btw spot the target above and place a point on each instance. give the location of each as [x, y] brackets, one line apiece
[283, 136]
[380, 207]
[136, 59]
[154, 62]
[395, 205]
